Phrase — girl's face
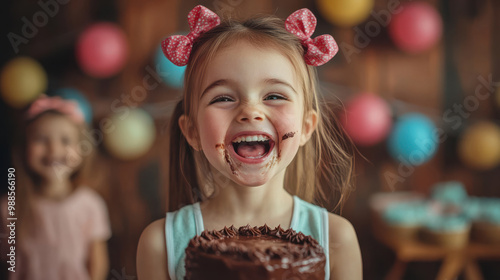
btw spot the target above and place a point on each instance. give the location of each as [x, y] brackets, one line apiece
[250, 114]
[52, 145]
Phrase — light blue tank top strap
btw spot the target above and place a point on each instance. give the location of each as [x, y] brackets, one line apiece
[185, 223]
[312, 220]
[180, 227]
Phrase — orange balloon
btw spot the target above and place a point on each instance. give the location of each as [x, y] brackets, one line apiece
[479, 146]
[21, 81]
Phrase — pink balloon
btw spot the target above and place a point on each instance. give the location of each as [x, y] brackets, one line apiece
[367, 119]
[416, 28]
[102, 50]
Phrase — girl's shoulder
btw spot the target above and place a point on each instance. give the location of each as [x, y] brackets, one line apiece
[345, 255]
[340, 229]
[151, 252]
[153, 237]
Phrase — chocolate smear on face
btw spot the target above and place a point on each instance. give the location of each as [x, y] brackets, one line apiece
[221, 147]
[226, 156]
[274, 160]
[285, 136]
[288, 135]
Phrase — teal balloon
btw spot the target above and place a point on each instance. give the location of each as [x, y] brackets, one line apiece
[170, 73]
[76, 95]
[413, 139]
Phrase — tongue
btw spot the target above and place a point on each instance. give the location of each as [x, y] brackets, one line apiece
[251, 149]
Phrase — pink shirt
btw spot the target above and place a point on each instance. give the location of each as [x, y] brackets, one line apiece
[63, 233]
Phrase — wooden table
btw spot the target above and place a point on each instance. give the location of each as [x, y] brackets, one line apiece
[454, 260]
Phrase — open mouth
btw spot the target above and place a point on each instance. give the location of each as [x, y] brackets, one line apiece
[252, 146]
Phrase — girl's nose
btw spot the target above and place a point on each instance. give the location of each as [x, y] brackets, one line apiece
[250, 113]
[54, 148]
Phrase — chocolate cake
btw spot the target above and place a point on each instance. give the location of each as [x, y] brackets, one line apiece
[254, 253]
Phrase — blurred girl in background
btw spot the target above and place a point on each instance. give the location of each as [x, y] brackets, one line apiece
[62, 225]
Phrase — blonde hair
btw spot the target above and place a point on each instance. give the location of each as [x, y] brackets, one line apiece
[320, 173]
[28, 180]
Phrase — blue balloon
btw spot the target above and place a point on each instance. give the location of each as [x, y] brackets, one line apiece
[413, 139]
[170, 73]
[76, 95]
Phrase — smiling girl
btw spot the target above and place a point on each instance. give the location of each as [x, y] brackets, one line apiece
[62, 225]
[250, 143]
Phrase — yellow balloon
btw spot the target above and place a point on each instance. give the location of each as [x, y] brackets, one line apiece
[345, 12]
[131, 135]
[479, 146]
[21, 81]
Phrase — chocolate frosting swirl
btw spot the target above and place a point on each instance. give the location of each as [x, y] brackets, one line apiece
[265, 229]
[230, 232]
[278, 231]
[212, 241]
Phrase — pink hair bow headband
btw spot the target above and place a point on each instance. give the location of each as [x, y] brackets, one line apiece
[178, 47]
[302, 23]
[318, 50]
[56, 103]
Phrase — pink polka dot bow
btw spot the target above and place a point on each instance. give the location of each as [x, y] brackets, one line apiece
[318, 50]
[56, 103]
[178, 47]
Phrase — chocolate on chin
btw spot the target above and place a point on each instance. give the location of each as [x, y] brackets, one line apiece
[254, 253]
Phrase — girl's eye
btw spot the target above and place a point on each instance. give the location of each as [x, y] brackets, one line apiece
[221, 99]
[275, 96]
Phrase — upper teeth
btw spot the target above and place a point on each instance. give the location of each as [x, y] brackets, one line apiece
[252, 138]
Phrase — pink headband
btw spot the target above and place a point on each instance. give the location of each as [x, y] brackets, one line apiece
[301, 23]
[318, 50]
[56, 103]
